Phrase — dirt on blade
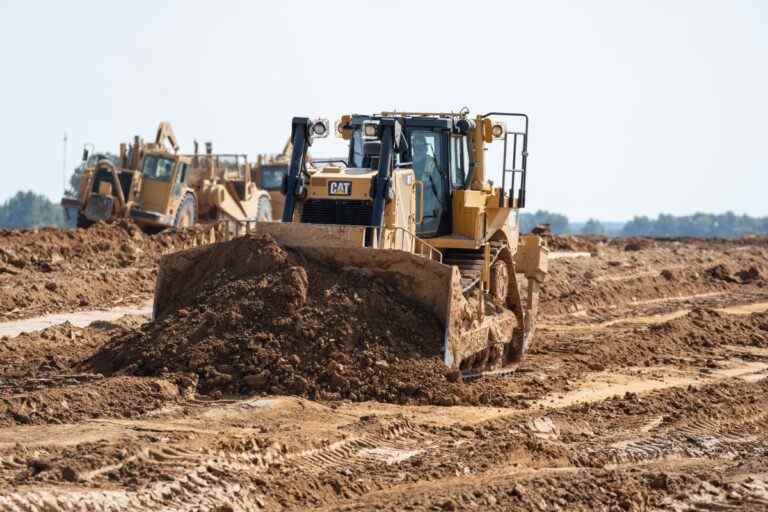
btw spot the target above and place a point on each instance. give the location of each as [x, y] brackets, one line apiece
[275, 322]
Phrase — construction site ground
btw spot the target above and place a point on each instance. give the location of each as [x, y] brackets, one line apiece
[645, 389]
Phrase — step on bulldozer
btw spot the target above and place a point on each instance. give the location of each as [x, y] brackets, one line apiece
[414, 209]
[157, 187]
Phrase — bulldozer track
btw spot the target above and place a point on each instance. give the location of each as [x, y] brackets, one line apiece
[388, 445]
[470, 263]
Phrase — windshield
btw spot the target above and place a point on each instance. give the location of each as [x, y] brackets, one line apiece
[272, 177]
[158, 168]
[356, 153]
[427, 154]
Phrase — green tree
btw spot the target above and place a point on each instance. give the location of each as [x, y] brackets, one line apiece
[638, 226]
[593, 227]
[30, 210]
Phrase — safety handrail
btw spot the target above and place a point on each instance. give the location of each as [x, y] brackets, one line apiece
[419, 244]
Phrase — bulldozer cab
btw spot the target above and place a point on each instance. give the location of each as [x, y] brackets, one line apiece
[442, 151]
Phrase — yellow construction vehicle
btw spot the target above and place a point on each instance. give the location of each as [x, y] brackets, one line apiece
[270, 171]
[414, 208]
[157, 187]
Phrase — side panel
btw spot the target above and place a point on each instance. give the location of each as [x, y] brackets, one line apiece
[468, 211]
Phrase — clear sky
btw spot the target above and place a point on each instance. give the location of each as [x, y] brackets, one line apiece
[637, 107]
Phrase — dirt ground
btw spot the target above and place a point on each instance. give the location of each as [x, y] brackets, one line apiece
[49, 270]
[645, 389]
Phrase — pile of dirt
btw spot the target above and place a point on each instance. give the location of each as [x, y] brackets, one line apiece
[616, 275]
[574, 243]
[117, 244]
[52, 270]
[56, 349]
[710, 328]
[633, 244]
[77, 398]
[724, 272]
[275, 322]
[40, 382]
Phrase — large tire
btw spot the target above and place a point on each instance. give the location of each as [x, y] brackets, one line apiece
[264, 209]
[186, 215]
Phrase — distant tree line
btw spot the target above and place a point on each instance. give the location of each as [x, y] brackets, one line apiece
[30, 210]
[724, 225]
[705, 225]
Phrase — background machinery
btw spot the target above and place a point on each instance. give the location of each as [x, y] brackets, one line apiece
[269, 172]
[414, 208]
[156, 187]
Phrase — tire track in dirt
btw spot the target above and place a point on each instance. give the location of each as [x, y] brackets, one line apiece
[215, 479]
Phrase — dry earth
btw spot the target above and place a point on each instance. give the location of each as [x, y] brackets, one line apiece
[645, 389]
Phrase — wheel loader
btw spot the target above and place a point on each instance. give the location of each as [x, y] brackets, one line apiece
[157, 187]
[414, 209]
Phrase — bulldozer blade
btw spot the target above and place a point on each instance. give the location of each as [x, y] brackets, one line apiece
[471, 341]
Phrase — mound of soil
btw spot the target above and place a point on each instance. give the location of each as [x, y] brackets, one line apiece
[711, 328]
[725, 273]
[664, 269]
[273, 321]
[116, 244]
[574, 243]
[56, 349]
[52, 270]
[126, 397]
[638, 244]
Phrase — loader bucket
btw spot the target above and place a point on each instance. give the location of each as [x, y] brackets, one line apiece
[469, 341]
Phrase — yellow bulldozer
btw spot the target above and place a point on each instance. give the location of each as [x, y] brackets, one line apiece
[414, 208]
[156, 187]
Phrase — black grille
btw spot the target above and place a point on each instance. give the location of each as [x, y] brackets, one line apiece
[329, 211]
[125, 179]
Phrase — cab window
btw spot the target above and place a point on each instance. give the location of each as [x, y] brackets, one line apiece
[182, 173]
[356, 149]
[458, 162]
[272, 177]
[428, 160]
[158, 168]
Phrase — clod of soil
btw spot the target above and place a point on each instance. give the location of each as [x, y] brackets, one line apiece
[275, 322]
